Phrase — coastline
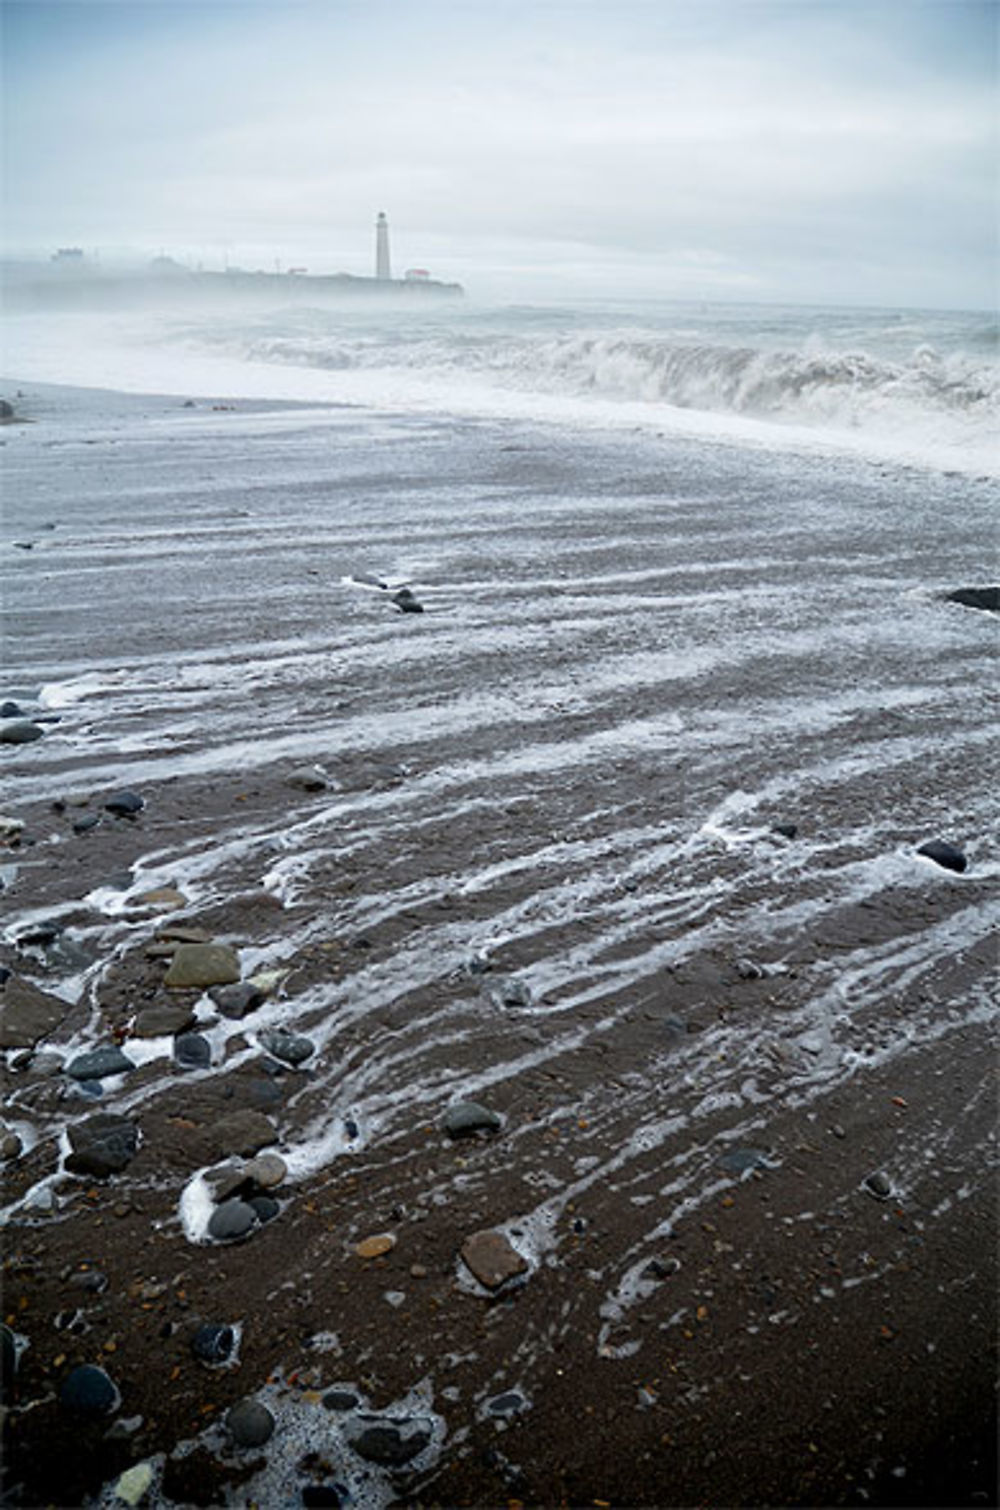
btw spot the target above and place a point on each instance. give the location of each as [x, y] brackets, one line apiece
[637, 657]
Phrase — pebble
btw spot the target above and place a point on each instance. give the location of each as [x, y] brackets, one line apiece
[214, 1344]
[192, 1051]
[374, 1247]
[391, 1444]
[202, 965]
[512, 993]
[944, 854]
[236, 1000]
[10, 1146]
[98, 1064]
[266, 1171]
[29, 1013]
[785, 830]
[11, 710]
[86, 823]
[406, 601]
[163, 1021]
[290, 1048]
[491, 1259]
[102, 1145]
[166, 897]
[125, 804]
[469, 1117]
[233, 1219]
[89, 1391]
[507, 1404]
[265, 1208]
[249, 1423]
[134, 1483]
[307, 779]
[20, 732]
[340, 1399]
[878, 1185]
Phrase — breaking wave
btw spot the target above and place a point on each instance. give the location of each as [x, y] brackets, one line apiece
[953, 393]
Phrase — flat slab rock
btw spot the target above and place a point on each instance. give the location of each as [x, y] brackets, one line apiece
[491, 1259]
[29, 1014]
[202, 965]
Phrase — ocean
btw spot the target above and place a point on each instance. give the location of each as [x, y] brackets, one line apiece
[621, 838]
[905, 384]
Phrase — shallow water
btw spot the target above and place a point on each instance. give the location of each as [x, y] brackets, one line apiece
[637, 656]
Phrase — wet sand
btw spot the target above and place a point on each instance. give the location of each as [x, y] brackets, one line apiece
[541, 869]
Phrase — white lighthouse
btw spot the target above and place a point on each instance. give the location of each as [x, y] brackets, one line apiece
[382, 269]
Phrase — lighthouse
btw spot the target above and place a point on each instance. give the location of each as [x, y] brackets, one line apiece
[382, 247]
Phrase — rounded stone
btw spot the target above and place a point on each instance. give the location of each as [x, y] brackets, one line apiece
[468, 1117]
[20, 732]
[375, 1247]
[232, 1219]
[89, 1391]
[192, 1051]
[98, 1064]
[266, 1171]
[879, 1185]
[125, 804]
[391, 1444]
[101, 1145]
[10, 1146]
[264, 1207]
[214, 1344]
[249, 1423]
[948, 856]
[291, 1048]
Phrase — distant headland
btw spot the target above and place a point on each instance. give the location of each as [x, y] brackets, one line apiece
[70, 279]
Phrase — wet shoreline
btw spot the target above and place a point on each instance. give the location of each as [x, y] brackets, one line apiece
[618, 838]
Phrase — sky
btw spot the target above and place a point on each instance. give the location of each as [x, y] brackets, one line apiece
[824, 151]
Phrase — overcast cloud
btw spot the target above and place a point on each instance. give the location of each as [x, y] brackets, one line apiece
[818, 150]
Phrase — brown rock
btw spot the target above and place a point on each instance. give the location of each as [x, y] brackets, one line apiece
[29, 1013]
[162, 897]
[491, 1259]
[156, 1022]
[202, 965]
[243, 1133]
[374, 1247]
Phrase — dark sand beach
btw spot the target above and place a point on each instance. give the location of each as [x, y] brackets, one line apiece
[618, 840]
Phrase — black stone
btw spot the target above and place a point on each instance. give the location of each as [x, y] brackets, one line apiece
[99, 1063]
[386, 1444]
[944, 854]
[405, 601]
[249, 1423]
[340, 1399]
[507, 1404]
[976, 597]
[10, 710]
[86, 823]
[125, 804]
[879, 1185]
[265, 1207]
[333, 1495]
[213, 1344]
[192, 1051]
[102, 1145]
[785, 830]
[88, 1391]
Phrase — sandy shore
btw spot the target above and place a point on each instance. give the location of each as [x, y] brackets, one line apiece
[618, 839]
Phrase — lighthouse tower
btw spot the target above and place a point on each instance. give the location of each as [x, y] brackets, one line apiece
[382, 247]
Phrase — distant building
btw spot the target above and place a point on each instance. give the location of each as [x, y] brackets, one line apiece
[68, 254]
[382, 267]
